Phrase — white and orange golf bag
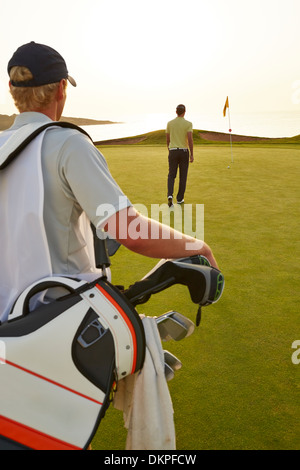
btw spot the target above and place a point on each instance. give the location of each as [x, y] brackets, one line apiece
[60, 361]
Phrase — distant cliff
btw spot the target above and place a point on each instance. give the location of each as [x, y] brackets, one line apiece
[6, 121]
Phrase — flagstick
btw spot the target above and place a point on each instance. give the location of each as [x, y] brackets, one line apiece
[230, 135]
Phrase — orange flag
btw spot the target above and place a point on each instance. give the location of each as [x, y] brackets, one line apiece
[226, 106]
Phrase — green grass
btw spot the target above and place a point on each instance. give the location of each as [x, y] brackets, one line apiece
[238, 388]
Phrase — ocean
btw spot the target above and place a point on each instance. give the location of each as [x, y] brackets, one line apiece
[271, 124]
[268, 124]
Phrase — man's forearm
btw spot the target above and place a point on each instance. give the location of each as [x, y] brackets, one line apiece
[153, 239]
[191, 145]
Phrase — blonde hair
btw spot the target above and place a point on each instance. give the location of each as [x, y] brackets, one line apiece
[30, 98]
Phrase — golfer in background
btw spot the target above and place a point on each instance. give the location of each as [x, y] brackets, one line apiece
[179, 140]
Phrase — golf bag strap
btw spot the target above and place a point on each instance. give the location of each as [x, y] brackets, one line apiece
[36, 132]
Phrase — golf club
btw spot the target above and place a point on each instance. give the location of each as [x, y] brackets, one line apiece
[172, 360]
[173, 325]
[169, 372]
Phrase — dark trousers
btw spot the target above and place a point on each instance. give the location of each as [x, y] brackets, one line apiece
[178, 158]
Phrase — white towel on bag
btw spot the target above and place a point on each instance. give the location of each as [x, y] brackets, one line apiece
[145, 399]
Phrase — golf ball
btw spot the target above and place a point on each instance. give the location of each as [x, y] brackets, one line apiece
[228, 166]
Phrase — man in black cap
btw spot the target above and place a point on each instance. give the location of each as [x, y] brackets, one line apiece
[75, 189]
[179, 135]
[45, 64]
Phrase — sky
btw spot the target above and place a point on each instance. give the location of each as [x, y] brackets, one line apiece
[140, 56]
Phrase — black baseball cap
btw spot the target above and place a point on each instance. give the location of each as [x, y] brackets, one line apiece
[46, 65]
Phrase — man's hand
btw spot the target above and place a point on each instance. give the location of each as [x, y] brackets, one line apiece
[191, 158]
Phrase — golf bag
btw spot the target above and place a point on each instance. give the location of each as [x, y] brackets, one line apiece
[61, 361]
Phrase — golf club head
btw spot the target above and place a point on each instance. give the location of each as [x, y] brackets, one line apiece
[205, 283]
[169, 372]
[172, 361]
[173, 325]
[186, 322]
[170, 329]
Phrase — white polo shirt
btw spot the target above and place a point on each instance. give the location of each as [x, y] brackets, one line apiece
[76, 179]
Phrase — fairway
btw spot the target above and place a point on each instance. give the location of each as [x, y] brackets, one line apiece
[238, 387]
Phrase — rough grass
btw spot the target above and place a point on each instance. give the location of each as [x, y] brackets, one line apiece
[238, 388]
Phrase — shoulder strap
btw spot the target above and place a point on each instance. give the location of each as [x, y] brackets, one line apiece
[31, 136]
[101, 255]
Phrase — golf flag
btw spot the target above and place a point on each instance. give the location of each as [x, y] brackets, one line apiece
[230, 130]
[226, 106]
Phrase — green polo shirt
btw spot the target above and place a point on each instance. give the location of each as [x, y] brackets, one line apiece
[178, 129]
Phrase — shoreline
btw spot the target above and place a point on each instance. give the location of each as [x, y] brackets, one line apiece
[7, 121]
[158, 136]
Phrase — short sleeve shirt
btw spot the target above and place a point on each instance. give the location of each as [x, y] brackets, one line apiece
[178, 129]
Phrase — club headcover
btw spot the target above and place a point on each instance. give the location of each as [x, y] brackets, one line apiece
[205, 283]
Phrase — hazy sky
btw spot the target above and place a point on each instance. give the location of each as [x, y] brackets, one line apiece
[135, 56]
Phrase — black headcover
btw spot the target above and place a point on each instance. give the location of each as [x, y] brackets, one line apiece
[205, 283]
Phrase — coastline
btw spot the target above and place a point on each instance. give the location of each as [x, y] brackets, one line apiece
[7, 120]
[143, 129]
